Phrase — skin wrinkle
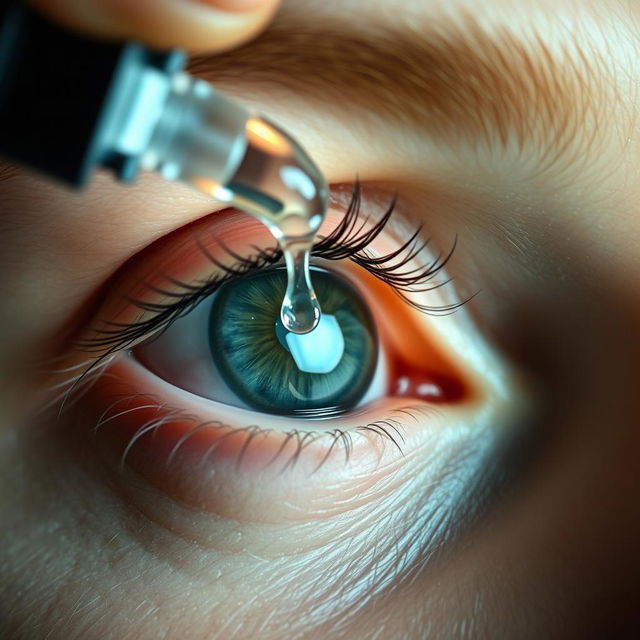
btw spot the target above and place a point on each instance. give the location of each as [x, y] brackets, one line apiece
[400, 568]
[8, 170]
[459, 82]
[397, 567]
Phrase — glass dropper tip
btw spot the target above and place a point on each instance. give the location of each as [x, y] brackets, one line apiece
[263, 171]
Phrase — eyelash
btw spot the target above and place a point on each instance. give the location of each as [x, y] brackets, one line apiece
[348, 240]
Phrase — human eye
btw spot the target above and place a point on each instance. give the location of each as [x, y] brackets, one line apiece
[221, 338]
[187, 371]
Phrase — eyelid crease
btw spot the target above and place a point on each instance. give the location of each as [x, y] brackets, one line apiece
[349, 240]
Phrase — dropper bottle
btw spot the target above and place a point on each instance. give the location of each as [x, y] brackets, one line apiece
[69, 105]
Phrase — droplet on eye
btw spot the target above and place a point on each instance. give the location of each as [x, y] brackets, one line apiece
[319, 351]
[300, 312]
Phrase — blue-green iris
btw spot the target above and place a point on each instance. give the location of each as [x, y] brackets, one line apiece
[262, 372]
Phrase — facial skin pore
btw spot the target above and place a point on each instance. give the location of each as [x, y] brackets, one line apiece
[510, 125]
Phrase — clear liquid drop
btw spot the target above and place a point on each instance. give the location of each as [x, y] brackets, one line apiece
[300, 311]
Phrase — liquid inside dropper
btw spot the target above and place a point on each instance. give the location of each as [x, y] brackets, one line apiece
[279, 184]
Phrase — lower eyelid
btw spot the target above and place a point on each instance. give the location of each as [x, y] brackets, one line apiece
[195, 450]
[197, 454]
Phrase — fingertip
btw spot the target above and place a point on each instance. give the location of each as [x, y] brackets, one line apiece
[194, 25]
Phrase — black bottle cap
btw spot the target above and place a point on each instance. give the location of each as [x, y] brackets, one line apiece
[56, 89]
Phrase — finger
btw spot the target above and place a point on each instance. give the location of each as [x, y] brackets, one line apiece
[195, 25]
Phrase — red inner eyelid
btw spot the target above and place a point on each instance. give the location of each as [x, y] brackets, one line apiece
[413, 353]
[181, 256]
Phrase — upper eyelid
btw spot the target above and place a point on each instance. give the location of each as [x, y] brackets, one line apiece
[348, 240]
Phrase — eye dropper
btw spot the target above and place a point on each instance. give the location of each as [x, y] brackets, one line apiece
[69, 105]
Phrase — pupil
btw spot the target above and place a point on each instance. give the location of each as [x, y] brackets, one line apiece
[275, 371]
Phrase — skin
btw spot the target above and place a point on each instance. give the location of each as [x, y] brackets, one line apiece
[207, 25]
[512, 126]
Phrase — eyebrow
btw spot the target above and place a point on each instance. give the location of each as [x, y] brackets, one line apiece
[457, 82]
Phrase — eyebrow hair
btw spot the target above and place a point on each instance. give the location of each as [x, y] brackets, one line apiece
[458, 82]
